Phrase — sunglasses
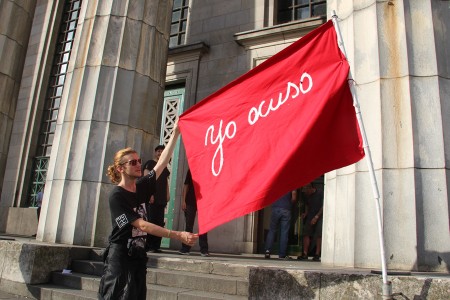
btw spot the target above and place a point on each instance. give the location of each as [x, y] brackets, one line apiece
[133, 162]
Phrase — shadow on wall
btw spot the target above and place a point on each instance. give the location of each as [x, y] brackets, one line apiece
[432, 261]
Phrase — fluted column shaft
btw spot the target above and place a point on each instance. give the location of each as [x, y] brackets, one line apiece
[398, 51]
[110, 101]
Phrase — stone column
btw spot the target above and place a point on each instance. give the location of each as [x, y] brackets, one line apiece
[398, 51]
[114, 84]
[14, 38]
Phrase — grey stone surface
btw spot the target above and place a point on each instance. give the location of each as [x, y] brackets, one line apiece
[77, 281]
[422, 288]
[107, 108]
[341, 286]
[268, 279]
[396, 123]
[164, 292]
[198, 281]
[419, 23]
[31, 264]
[440, 16]
[399, 210]
[398, 51]
[18, 290]
[7, 296]
[222, 268]
[427, 129]
[175, 264]
[21, 220]
[282, 284]
[400, 95]
[366, 53]
[433, 242]
[14, 38]
[200, 295]
[444, 94]
[295, 284]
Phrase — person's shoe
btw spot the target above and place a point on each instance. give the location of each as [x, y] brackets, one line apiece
[183, 252]
[285, 258]
[316, 258]
[267, 254]
[155, 251]
[302, 257]
[204, 254]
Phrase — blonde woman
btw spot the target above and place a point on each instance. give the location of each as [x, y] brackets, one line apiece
[125, 259]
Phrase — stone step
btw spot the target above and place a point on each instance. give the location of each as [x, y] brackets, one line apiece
[168, 277]
[199, 265]
[88, 267]
[207, 282]
[174, 293]
[77, 281]
[230, 285]
[96, 254]
[56, 292]
[195, 265]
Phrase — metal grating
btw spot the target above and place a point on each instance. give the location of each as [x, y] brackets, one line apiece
[55, 88]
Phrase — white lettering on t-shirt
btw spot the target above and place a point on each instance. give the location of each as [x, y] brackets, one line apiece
[121, 220]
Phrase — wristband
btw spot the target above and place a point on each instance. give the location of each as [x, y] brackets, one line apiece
[168, 234]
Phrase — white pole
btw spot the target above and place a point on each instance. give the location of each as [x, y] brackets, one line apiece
[387, 287]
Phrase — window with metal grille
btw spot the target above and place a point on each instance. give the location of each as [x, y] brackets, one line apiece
[64, 43]
[179, 22]
[293, 10]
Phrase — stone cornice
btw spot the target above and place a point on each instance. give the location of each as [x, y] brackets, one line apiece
[188, 52]
[277, 33]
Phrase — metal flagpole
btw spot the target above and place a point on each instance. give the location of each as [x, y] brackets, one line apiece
[387, 285]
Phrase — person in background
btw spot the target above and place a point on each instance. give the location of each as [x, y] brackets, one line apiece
[158, 201]
[313, 221]
[125, 258]
[39, 197]
[281, 215]
[189, 206]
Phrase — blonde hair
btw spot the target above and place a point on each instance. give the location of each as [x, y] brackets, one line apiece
[112, 172]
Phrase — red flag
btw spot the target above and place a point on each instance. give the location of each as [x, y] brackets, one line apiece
[272, 130]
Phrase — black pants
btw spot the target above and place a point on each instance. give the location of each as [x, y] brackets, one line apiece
[189, 214]
[124, 277]
[155, 213]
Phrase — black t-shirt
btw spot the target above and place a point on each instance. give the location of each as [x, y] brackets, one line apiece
[126, 207]
[190, 196]
[161, 183]
[314, 203]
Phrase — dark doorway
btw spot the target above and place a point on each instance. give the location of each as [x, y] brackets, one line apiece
[295, 244]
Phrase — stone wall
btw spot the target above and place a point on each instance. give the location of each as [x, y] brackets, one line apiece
[32, 263]
[14, 38]
[298, 284]
[21, 221]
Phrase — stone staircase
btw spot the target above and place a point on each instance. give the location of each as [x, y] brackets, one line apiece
[169, 276]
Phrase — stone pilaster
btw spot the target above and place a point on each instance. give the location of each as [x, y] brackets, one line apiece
[14, 37]
[114, 84]
[399, 57]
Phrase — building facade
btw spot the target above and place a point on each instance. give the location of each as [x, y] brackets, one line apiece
[81, 79]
